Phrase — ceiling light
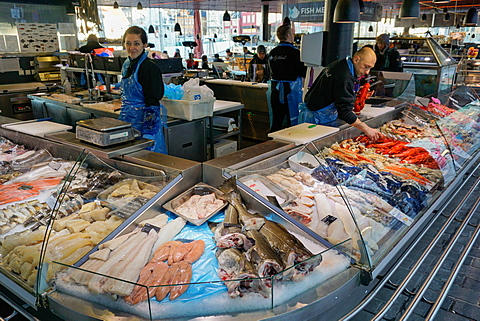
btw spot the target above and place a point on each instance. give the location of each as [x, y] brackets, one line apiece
[226, 16]
[413, 26]
[424, 17]
[139, 6]
[347, 11]
[165, 36]
[151, 29]
[446, 17]
[370, 29]
[471, 19]
[473, 35]
[177, 28]
[287, 21]
[410, 9]
[115, 5]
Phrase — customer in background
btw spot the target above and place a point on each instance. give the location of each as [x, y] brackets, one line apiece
[92, 43]
[257, 71]
[332, 94]
[177, 54]
[191, 63]
[388, 57]
[205, 62]
[216, 58]
[246, 51]
[285, 87]
[142, 89]
[229, 54]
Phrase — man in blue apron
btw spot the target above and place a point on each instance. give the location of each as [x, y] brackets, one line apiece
[285, 87]
[142, 88]
[332, 94]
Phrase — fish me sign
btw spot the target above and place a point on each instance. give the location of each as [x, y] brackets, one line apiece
[314, 11]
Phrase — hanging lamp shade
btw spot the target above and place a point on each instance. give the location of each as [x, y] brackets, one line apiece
[370, 29]
[424, 17]
[165, 36]
[446, 17]
[473, 35]
[226, 16]
[235, 31]
[70, 8]
[471, 19]
[115, 5]
[177, 28]
[457, 26]
[287, 21]
[151, 29]
[347, 11]
[413, 26]
[215, 36]
[139, 6]
[410, 9]
[362, 6]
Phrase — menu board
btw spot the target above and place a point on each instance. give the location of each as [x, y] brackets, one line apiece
[37, 37]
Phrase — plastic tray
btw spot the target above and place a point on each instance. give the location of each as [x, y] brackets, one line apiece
[295, 162]
[198, 189]
[277, 191]
[189, 109]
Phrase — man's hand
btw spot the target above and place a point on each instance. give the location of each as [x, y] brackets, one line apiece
[371, 133]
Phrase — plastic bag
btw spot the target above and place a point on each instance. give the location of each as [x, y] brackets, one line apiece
[193, 90]
[173, 91]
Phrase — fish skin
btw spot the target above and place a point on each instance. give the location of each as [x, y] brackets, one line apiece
[290, 249]
[265, 260]
[239, 274]
[229, 232]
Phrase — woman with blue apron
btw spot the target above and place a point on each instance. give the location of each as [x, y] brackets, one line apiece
[285, 88]
[142, 88]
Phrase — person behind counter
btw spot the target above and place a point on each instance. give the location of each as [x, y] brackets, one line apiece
[92, 44]
[177, 54]
[246, 51]
[216, 58]
[285, 86]
[142, 89]
[257, 71]
[229, 54]
[332, 94]
[205, 62]
[388, 57]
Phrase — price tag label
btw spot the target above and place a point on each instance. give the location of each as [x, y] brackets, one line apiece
[399, 215]
[329, 219]
[131, 207]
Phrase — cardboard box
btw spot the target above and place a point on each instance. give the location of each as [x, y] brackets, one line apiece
[223, 147]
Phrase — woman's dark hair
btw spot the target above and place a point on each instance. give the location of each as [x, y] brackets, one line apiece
[136, 31]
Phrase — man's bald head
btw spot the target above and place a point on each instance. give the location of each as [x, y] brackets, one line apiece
[363, 60]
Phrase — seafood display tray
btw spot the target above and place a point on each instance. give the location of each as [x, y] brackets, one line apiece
[283, 197]
[198, 189]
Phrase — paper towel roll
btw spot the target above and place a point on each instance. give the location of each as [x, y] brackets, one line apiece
[224, 122]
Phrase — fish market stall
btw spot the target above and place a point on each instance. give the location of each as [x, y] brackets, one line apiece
[74, 199]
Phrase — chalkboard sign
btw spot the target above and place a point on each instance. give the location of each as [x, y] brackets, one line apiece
[131, 207]
[148, 227]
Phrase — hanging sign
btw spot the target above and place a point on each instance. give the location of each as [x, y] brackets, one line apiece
[314, 11]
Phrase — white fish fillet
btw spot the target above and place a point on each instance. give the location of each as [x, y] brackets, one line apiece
[46, 171]
[323, 209]
[129, 267]
[101, 255]
[158, 221]
[112, 244]
[96, 282]
[167, 233]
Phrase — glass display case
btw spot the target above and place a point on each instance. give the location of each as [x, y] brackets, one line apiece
[434, 68]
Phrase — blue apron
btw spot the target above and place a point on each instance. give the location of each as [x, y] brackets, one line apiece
[294, 98]
[151, 120]
[326, 115]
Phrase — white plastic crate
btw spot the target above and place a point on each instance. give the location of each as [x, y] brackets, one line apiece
[189, 109]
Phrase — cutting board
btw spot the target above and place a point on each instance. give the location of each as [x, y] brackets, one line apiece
[40, 128]
[303, 133]
[369, 111]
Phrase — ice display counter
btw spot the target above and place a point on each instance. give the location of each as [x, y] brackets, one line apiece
[340, 242]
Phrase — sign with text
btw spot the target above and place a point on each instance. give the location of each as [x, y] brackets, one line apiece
[314, 11]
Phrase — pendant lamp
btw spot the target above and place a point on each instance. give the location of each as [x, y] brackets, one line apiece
[424, 17]
[370, 29]
[287, 21]
[115, 5]
[177, 28]
[413, 26]
[446, 17]
[362, 6]
[347, 11]
[139, 6]
[410, 9]
[165, 36]
[151, 29]
[226, 16]
[471, 19]
[458, 26]
[473, 35]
